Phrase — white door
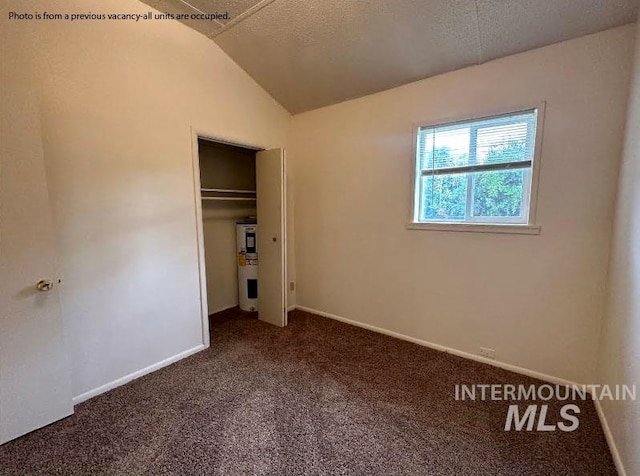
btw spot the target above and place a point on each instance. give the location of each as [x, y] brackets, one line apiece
[35, 387]
[272, 278]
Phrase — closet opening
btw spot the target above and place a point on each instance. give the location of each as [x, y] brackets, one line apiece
[240, 202]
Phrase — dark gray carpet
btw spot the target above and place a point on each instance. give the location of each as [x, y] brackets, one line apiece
[317, 397]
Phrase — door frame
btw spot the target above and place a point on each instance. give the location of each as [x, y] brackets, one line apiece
[199, 133]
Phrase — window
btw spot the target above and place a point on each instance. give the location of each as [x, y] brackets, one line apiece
[477, 171]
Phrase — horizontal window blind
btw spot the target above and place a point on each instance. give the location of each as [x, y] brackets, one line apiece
[495, 143]
[476, 171]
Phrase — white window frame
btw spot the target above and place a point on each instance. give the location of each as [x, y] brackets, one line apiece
[480, 225]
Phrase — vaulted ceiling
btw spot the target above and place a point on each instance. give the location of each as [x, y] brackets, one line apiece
[312, 53]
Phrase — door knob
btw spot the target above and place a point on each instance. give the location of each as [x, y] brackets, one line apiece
[44, 285]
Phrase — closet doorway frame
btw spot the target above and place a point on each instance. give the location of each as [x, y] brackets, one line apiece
[196, 134]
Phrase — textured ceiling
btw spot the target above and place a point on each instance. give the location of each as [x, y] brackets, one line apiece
[308, 54]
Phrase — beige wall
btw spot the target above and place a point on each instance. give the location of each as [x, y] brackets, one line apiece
[620, 345]
[117, 100]
[536, 300]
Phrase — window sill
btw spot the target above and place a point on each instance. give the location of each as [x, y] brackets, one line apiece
[478, 228]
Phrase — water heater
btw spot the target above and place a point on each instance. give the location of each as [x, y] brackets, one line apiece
[246, 235]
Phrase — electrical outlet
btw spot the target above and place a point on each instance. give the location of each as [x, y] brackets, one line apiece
[292, 286]
[488, 353]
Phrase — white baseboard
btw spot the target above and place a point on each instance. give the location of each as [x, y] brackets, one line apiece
[609, 436]
[215, 311]
[289, 309]
[442, 348]
[137, 374]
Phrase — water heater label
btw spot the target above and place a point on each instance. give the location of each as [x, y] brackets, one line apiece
[251, 242]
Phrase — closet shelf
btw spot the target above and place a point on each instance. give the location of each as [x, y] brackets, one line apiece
[250, 199]
[227, 194]
[225, 190]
